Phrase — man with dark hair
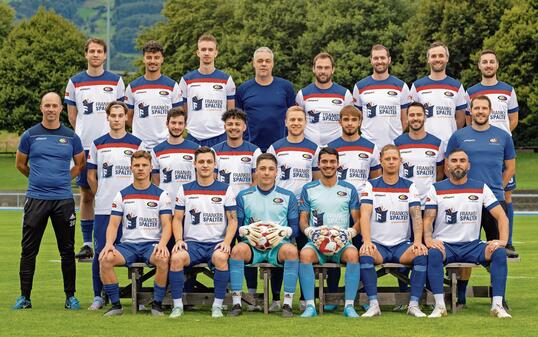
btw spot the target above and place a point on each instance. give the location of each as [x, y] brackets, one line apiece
[322, 101]
[207, 93]
[150, 97]
[87, 95]
[44, 156]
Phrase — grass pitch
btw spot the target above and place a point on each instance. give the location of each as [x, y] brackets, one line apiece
[48, 318]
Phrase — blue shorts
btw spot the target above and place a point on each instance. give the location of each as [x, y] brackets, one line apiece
[392, 254]
[322, 258]
[511, 184]
[468, 252]
[82, 178]
[136, 252]
[209, 141]
[201, 252]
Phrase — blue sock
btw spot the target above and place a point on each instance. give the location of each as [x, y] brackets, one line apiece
[352, 277]
[306, 278]
[291, 272]
[418, 276]
[435, 270]
[369, 276]
[237, 270]
[277, 277]
[96, 277]
[333, 279]
[87, 230]
[113, 292]
[158, 292]
[498, 271]
[510, 214]
[221, 282]
[251, 276]
[462, 291]
[176, 280]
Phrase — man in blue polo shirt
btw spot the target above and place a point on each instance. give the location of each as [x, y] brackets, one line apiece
[265, 99]
[44, 156]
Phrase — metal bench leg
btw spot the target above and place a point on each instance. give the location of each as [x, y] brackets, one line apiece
[265, 291]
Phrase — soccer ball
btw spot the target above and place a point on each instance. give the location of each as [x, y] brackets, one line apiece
[265, 228]
[329, 240]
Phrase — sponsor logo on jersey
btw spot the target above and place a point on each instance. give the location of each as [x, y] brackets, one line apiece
[493, 140]
[218, 87]
[430, 153]
[108, 89]
[167, 175]
[188, 157]
[371, 110]
[216, 199]
[392, 93]
[278, 200]
[364, 194]
[318, 218]
[88, 107]
[128, 152]
[429, 109]
[62, 140]
[143, 110]
[473, 197]
[408, 170]
[197, 103]
[114, 205]
[449, 94]
[342, 173]
[363, 156]
[337, 101]
[451, 216]
[307, 156]
[151, 204]
[502, 98]
[341, 193]
[107, 170]
[380, 214]
[285, 172]
[195, 216]
[313, 117]
[131, 221]
[164, 93]
[403, 197]
[246, 159]
[225, 176]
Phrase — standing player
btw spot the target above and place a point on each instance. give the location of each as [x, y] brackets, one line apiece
[87, 95]
[265, 99]
[504, 115]
[207, 94]
[204, 226]
[149, 97]
[457, 206]
[329, 202]
[442, 96]
[268, 203]
[44, 156]
[236, 158]
[421, 153]
[383, 100]
[109, 171]
[173, 159]
[386, 233]
[322, 101]
[143, 210]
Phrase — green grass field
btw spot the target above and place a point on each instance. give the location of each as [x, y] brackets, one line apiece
[48, 318]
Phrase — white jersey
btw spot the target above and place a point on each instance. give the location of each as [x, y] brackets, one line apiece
[322, 108]
[420, 159]
[390, 222]
[236, 165]
[459, 209]
[207, 99]
[205, 210]
[503, 102]
[91, 95]
[150, 101]
[174, 164]
[111, 158]
[141, 212]
[296, 163]
[381, 103]
[441, 100]
[356, 159]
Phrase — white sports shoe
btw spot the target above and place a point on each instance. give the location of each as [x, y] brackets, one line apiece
[302, 305]
[499, 312]
[438, 312]
[372, 311]
[254, 307]
[275, 307]
[98, 303]
[415, 311]
[216, 312]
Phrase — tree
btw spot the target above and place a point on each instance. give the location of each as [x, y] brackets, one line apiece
[6, 20]
[38, 55]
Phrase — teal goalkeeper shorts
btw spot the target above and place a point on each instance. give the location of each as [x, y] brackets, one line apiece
[269, 256]
[322, 258]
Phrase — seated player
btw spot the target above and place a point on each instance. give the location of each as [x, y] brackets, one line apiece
[456, 205]
[204, 226]
[266, 202]
[144, 211]
[328, 202]
[386, 233]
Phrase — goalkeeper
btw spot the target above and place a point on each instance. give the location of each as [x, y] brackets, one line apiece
[274, 206]
[328, 203]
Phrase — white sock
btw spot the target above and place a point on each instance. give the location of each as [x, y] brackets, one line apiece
[310, 302]
[218, 302]
[413, 303]
[252, 291]
[439, 300]
[349, 302]
[89, 244]
[236, 297]
[288, 298]
[178, 302]
[497, 300]
[374, 302]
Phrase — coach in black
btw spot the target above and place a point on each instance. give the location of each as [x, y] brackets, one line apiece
[44, 156]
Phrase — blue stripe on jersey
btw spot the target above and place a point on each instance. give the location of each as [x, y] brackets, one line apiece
[163, 82]
[445, 185]
[402, 185]
[108, 139]
[218, 187]
[335, 89]
[218, 75]
[500, 88]
[245, 147]
[185, 145]
[370, 82]
[306, 144]
[361, 142]
[83, 79]
[152, 192]
[428, 140]
[448, 82]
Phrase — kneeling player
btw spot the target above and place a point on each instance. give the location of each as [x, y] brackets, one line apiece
[328, 203]
[455, 204]
[144, 211]
[204, 235]
[386, 233]
[266, 203]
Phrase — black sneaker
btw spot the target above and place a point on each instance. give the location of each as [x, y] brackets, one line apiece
[86, 252]
[115, 310]
[511, 252]
[237, 310]
[157, 309]
[286, 311]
